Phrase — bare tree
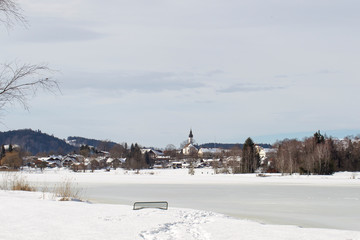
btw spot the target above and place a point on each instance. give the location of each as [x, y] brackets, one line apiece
[117, 151]
[288, 155]
[19, 81]
[170, 150]
[104, 145]
[11, 13]
[234, 159]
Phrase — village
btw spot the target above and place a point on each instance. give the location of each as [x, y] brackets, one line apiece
[89, 158]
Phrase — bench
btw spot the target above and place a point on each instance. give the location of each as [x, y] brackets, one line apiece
[160, 205]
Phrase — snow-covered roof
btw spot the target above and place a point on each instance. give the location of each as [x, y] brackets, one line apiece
[211, 160]
[147, 150]
[13, 146]
[210, 150]
[268, 150]
[51, 158]
[176, 162]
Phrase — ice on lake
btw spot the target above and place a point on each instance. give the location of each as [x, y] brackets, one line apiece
[315, 201]
[336, 207]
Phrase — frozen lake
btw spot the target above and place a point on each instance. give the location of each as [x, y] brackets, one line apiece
[336, 207]
[306, 201]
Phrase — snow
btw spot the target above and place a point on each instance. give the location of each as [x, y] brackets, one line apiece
[327, 207]
[26, 215]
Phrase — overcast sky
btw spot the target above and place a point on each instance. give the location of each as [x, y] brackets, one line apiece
[147, 71]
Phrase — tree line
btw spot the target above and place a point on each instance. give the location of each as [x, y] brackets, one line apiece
[135, 159]
[316, 155]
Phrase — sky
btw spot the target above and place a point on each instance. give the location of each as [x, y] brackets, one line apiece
[149, 71]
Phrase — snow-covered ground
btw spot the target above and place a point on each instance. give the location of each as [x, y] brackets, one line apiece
[26, 215]
[314, 202]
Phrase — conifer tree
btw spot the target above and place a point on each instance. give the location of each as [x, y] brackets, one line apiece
[250, 158]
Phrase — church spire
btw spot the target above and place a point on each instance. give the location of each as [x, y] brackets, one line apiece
[190, 137]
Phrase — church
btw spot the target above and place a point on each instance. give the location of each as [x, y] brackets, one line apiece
[189, 148]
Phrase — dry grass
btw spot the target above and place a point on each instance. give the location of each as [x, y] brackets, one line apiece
[12, 181]
[22, 185]
[8, 170]
[67, 191]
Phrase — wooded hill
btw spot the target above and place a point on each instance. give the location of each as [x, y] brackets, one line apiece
[36, 142]
[230, 145]
[78, 141]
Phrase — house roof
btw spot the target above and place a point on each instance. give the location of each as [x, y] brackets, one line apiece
[149, 150]
[210, 150]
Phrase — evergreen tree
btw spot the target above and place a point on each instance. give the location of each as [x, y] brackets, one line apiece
[319, 138]
[250, 158]
[135, 159]
[2, 151]
[147, 159]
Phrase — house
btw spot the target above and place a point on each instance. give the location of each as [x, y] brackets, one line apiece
[115, 162]
[177, 165]
[69, 160]
[52, 161]
[152, 153]
[264, 152]
[210, 162]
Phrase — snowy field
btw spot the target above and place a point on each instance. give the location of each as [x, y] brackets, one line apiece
[326, 207]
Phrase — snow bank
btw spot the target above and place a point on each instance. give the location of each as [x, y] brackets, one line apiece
[26, 215]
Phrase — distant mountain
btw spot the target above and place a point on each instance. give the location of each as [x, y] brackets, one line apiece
[230, 145]
[78, 141]
[36, 142]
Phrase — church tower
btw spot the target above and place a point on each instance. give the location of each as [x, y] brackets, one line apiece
[190, 140]
[189, 148]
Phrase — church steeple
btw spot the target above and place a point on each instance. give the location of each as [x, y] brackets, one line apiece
[190, 137]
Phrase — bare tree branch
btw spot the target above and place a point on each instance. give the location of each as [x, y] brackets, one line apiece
[11, 13]
[18, 83]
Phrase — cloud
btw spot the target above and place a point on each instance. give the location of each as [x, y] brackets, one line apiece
[249, 87]
[155, 82]
[140, 81]
[53, 30]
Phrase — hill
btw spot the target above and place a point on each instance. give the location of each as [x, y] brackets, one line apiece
[36, 142]
[230, 145]
[78, 141]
